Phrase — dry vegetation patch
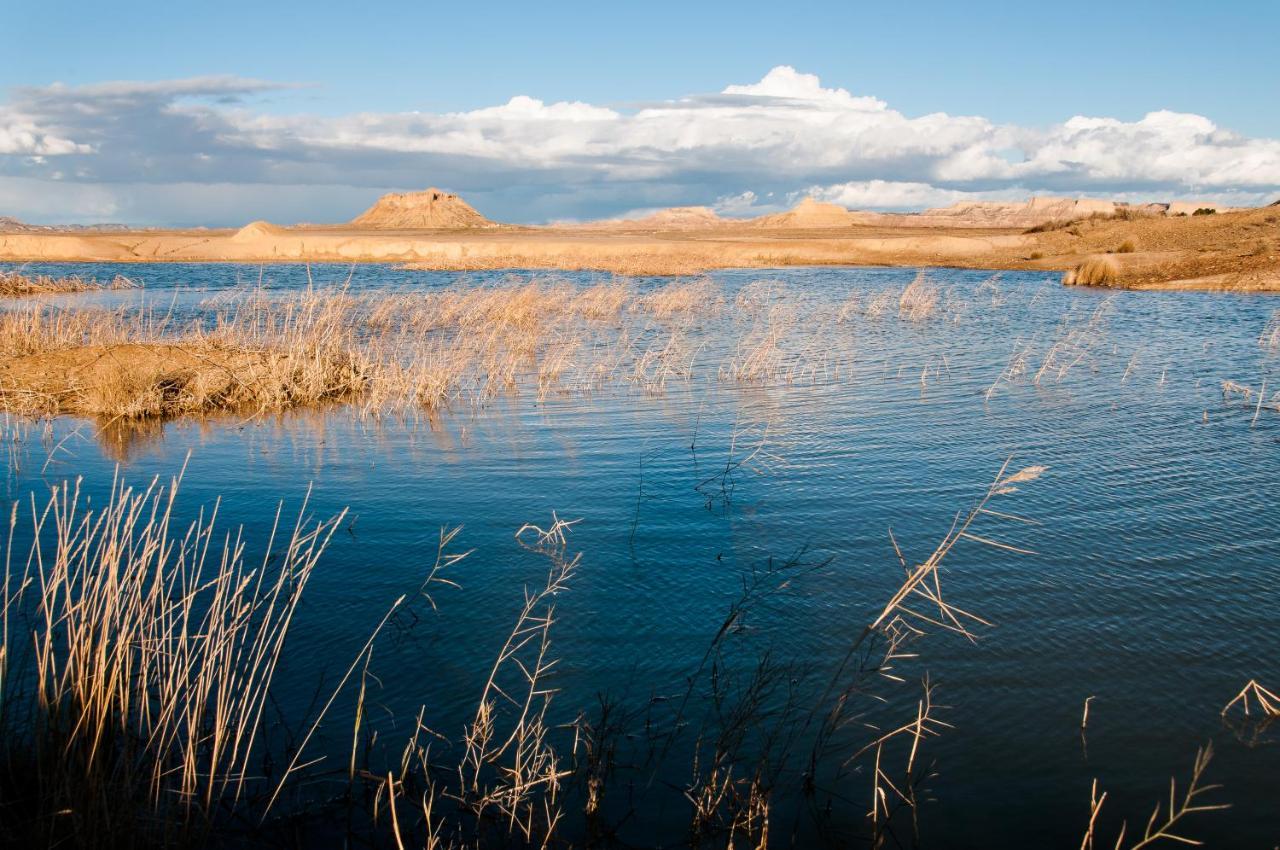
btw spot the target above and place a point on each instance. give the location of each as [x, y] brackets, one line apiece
[1097, 271]
[135, 380]
[15, 284]
[1234, 250]
[257, 352]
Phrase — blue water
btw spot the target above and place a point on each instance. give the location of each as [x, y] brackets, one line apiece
[1152, 587]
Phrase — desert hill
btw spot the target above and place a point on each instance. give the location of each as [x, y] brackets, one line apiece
[1014, 214]
[256, 230]
[810, 214]
[431, 209]
[9, 224]
[1010, 215]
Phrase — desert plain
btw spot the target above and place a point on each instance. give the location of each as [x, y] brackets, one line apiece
[1180, 245]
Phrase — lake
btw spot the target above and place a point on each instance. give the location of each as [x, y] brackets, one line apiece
[1148, 583]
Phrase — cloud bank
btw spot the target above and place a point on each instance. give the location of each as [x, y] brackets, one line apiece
[209, 150]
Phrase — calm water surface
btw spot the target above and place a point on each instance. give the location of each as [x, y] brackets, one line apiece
[1153, 587]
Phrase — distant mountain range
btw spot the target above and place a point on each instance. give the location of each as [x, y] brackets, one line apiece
[9, 224]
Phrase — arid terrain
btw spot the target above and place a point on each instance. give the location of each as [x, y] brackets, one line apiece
[1097, 242]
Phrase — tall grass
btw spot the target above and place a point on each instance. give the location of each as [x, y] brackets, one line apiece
[15, 284]
[258, 353]
[137, 661]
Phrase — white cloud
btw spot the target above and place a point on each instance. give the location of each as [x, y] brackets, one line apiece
[786, 82]
[527, 159]
[20, 136]
[898, 195]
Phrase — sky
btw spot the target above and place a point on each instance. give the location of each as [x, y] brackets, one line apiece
[151, 113]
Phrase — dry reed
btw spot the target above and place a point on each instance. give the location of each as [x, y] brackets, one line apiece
[15, 284]
[919, 299]
[147, 655]
[1269, 338]
[1161, 828]
[1267, 701]
[257, 353]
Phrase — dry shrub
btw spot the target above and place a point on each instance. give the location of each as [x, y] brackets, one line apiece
[1050, 226]
[1096, 271]
[1128, 246]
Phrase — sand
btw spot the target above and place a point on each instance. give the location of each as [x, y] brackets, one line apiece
[436, 230]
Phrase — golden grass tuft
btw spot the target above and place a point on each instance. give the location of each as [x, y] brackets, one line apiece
[1096, 271]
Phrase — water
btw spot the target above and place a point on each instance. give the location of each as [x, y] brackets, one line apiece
[1152, 588]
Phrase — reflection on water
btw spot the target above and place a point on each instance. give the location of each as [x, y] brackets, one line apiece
[1151, 589]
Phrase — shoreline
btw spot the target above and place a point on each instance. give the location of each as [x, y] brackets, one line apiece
[1236, 251]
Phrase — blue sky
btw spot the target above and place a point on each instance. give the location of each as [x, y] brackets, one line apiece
[1023, 65]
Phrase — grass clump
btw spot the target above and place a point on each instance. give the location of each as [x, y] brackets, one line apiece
[15, 284]
[919, 299]
[1097, 271]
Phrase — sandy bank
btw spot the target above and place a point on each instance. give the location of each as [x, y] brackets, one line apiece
[624, 252]
[1230, 250]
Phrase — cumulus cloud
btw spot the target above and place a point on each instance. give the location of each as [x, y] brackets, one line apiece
[900, 195]
[749, 146]
[21, 136]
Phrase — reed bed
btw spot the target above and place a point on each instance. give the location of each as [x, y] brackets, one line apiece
[15, 284]
[514, 785]
[136, 663]
[260, 352]
[254, 352]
